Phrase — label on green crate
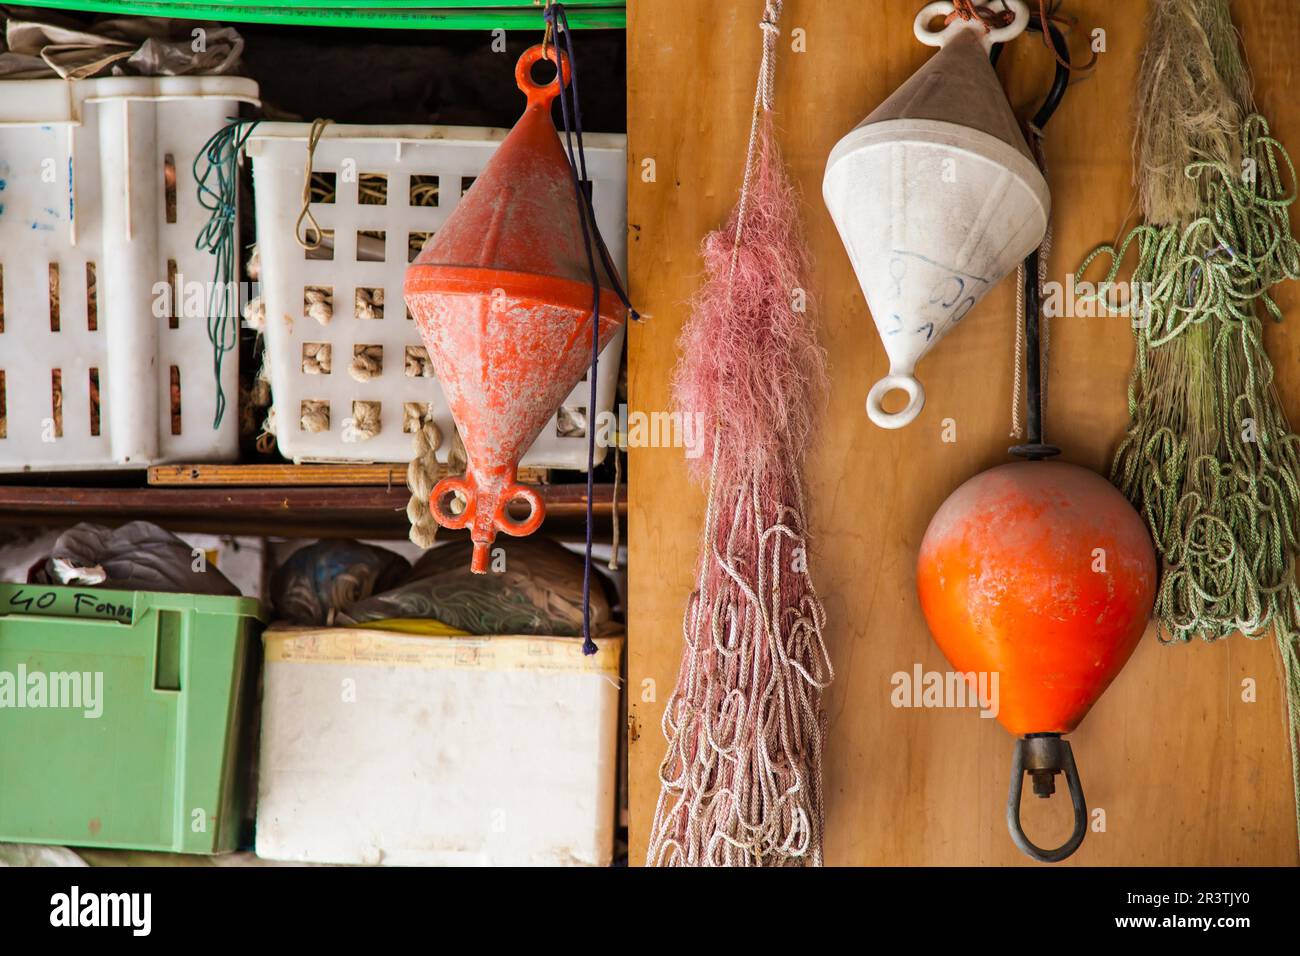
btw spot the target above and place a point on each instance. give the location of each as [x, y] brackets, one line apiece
[67, 603]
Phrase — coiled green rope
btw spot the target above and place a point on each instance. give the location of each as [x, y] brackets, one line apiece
[219, 159]
[1209, 458]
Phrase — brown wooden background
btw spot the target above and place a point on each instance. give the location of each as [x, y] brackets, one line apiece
[1186, 772]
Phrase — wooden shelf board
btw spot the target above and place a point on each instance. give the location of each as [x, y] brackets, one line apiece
[283, 476]
[323, 511]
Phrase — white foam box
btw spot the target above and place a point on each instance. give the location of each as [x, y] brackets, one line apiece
[381, 747]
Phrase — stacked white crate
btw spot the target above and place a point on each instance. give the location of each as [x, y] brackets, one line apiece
[82, 186]
[455, 155]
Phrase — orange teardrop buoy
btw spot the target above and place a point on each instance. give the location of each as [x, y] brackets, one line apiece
[1042, 573]
[503, 298]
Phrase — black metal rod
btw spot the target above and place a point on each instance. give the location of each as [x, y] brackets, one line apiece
[1060, 80]
[1033, 355]
[1034, 447]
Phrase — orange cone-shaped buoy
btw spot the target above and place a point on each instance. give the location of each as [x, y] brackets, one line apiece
[1042, 573]
[503, 298]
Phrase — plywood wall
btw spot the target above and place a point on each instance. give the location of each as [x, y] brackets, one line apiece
[1186, 771]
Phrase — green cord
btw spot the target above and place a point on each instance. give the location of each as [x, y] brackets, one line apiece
[221, 154]
[1215, 471]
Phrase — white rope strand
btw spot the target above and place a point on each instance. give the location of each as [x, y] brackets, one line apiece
[762, 103]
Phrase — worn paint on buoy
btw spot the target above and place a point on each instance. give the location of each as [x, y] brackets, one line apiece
[1042, 572]
[503, 298]
[936, 198]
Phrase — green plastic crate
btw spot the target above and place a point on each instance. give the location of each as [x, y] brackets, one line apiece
[159, 767]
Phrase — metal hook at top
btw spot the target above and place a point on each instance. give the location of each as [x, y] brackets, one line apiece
[1043, 756]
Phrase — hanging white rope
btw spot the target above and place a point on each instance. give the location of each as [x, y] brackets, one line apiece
[1045, 328]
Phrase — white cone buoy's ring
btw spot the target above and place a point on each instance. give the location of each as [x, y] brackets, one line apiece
[915, 400]
[944, 8]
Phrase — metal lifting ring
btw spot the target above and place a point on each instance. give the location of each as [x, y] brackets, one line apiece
[1043, 756]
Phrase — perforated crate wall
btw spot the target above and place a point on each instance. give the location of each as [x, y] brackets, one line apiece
[448, 157]
[97, 207]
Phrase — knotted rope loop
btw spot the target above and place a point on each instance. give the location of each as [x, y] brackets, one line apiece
[313, 137]
[767, 68]
[987, 17]
[763, 96]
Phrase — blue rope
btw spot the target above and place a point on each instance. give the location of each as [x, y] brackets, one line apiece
[221, 154]
[559, 21]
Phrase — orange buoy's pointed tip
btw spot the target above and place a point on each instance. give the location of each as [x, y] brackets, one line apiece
[479, 564]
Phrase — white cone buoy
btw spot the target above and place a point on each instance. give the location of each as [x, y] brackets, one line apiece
[936, 198]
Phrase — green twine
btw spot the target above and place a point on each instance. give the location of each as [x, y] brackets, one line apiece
[221, 155]
[1216, 472]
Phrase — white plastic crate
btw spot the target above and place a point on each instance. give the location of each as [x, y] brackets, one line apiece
[454, 155]
[83, 202]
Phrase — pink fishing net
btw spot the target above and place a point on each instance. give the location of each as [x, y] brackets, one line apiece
[741, 778]
[750, 362]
